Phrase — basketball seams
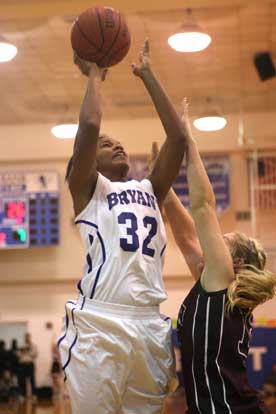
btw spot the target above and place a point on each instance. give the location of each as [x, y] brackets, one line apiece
[113, 42]
[86, 37]
[101, 27]
[116, 53]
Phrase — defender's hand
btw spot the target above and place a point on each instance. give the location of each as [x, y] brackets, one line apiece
[185, 110]
[185, 118]
[144, 59]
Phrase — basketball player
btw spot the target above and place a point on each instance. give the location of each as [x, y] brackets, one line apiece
[214, 322]
[116, 349]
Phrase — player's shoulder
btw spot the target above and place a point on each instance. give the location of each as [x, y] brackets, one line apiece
[104, 185]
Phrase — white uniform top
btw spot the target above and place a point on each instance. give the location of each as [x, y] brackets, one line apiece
[124, 237]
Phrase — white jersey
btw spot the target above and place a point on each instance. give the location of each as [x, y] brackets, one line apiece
[124, 237]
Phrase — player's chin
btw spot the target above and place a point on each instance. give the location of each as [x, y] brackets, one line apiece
[121, 165]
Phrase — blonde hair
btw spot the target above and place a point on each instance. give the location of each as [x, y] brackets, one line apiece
[252, 284]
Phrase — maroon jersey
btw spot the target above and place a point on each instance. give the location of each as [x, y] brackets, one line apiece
[214, 349]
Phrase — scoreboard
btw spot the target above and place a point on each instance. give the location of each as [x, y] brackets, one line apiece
[29, 209]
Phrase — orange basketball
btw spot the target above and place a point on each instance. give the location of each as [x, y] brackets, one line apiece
[101, 35]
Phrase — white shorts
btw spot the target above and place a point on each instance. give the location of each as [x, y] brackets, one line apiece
[116, 358]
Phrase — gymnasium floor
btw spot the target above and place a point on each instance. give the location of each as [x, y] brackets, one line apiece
[174, 405]
[30, 407]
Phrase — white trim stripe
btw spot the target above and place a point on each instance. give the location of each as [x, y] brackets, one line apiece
[206, 355]
[220, 340]
[241, 341]
[193, 338]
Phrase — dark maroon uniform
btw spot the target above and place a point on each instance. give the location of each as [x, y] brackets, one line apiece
[214, 349]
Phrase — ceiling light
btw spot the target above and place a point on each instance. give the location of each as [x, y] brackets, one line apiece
[210, 123]
[211, 119]
[189, 40]
[189, 37]
[7, 52]
[65, 131]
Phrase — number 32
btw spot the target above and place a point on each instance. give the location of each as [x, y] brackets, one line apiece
[131, 230]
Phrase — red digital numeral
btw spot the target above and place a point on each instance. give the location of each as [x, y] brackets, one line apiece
[3, 237]
[16, 210]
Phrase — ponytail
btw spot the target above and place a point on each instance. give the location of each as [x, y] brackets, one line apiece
[250, 288]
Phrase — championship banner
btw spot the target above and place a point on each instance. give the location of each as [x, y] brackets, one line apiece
[262, 355]
[217, 168]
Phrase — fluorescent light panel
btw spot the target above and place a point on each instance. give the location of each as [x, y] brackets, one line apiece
[7, 52]
[65, 131]
[189, 41]
[210, 123]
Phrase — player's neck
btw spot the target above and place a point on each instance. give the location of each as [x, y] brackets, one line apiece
[114, 176]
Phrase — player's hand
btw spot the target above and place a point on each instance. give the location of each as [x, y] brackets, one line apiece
[144, 59]
[85, 67]
[185, 118]
[185, 110]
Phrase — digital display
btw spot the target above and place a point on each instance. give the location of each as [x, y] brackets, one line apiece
[3, 237]
[20, 235]
[29, 209]
[16, 210]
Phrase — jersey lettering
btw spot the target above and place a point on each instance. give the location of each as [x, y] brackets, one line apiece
[140, 198]
[131, 197]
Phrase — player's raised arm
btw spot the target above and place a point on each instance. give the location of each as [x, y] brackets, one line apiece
[171, 154]
[182, 225]
[184, 233]
[83, 175]
[218, 270]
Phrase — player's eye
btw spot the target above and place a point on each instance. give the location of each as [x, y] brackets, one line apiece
[106, 144]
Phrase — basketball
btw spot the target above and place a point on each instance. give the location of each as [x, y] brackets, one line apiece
[101, 35]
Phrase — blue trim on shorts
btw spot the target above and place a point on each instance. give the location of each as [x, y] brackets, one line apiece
[76, 336]
[83, 302]
[66, 327]
[79, 287]
[69, 352]
[73, 317]
[89, 223]
[74, 341]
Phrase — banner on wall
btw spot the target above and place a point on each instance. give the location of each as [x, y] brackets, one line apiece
[217, 168]
[262, 355]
